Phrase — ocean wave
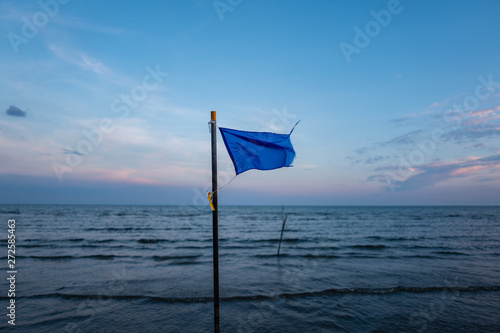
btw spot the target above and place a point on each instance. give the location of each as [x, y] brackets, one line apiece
[380, 291]
[152, 241]
[320, 256]
[306, 256]
[15, 211]
[120, 229]
[197, 247]
[201, 240]
[273, 240]
[131, 214]
[109, 240]
[63, 257]
[359, 255]
[427, 247]
[451, 253]
[368, 247]
[164, 258]
[48, 246]
[326, 292]
[176, 258]
[414, 256]
[68, 257]
[56, 245]
[395, 239]
[271, 255]
[317, 248]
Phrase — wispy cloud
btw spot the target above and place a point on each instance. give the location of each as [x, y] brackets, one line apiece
[14, 13]
[405, 139]
[79, 59]
[78, 24]
[478, 125]
[71, 152]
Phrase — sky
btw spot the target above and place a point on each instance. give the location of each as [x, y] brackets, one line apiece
[107, 102]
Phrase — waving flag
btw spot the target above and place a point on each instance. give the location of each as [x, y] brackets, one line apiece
[258, 150]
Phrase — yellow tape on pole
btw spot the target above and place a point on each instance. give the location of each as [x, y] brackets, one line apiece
[209, 197]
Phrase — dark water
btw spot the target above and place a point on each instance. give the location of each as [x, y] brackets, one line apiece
[342, 269]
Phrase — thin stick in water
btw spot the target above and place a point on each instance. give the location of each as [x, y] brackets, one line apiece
[281, 237]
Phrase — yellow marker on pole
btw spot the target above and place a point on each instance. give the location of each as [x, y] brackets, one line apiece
[209, 197]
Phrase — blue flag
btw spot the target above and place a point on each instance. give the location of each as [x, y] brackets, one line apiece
[258, 150]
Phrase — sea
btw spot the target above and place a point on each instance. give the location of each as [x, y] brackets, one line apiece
[97, 268]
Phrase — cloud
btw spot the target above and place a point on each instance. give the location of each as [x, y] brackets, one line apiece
[434, 173]
[83, 61]
[376, 159]
[78, 24]
[450, 132]
[72, 152]
[382, 151]
[472, 126]
[14, 111]
[408, 138]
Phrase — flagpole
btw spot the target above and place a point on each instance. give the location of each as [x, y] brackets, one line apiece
[215, 220]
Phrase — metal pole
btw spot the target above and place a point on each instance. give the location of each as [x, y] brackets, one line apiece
[215, 221]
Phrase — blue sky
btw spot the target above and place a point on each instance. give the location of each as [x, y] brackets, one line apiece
[108, 102]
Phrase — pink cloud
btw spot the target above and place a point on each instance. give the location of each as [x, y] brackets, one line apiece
[431, 174]
[471, 170]
[488, 116]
